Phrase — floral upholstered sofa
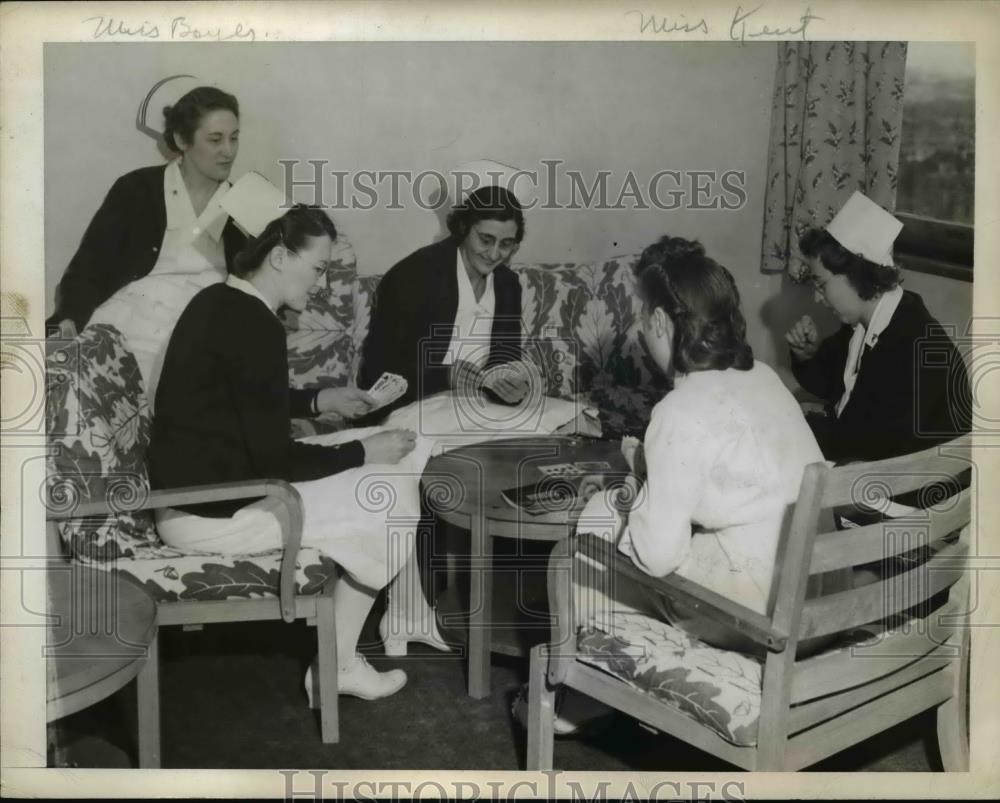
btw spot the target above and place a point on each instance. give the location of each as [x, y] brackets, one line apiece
[580, 327]
[580, 324]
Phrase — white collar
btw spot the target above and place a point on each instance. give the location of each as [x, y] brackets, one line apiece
[242, 284]
[884, 310]
[180, 212]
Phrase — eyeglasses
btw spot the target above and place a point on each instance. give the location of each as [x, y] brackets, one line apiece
[506, 247]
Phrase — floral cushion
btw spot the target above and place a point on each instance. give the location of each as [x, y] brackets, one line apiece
[174, 576]
[320, 338]
[718, 688]
[98, 425]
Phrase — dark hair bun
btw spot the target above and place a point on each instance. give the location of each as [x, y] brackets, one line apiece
[677, 248]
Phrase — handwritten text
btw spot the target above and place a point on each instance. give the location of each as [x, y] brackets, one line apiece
[180, 28]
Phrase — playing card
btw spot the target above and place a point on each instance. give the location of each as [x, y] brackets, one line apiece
[592, 465]
[516, 370]
[387, 389]
[559, 470]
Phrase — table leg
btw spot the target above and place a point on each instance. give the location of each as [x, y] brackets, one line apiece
[480, 609]
[148, 700]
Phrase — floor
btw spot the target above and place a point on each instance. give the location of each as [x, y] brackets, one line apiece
[231, 697]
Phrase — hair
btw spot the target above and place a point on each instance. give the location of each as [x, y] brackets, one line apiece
[867, 278]
[701, 299]
[486, 203]
[292, 230]
[183, 118]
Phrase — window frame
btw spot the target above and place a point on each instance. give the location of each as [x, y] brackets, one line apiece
[939, 247]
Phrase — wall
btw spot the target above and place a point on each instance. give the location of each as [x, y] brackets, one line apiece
[642, 107]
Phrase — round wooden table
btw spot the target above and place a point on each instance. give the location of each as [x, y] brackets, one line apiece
[101, 634]
[462, 487]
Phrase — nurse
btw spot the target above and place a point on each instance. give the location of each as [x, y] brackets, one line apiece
[893, 381]
[451, 309]
[160, 235]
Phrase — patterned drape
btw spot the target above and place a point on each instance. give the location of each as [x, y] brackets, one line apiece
[835, 128]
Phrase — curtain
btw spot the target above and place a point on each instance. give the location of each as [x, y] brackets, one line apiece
[835, 128]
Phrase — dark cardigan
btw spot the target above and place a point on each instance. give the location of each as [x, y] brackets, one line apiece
[911, 392]
[223, 405]
[122, 244]
[415, 307]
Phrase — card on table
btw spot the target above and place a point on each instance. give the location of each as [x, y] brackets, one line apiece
[559, 470]
[592, 465]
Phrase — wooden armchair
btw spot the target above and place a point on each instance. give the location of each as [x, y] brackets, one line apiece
[100, 513]
[783, 709]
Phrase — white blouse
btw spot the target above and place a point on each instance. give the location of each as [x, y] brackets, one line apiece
[470, 338]
[725, 450]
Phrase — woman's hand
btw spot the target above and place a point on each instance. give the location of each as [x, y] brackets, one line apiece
[464, 377]
[345, 402]
[389, 447]
[512, 389]
[630, 450]
[803, 338]
[513, 381]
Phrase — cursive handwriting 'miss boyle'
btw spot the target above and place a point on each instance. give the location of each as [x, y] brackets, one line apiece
[180, 28]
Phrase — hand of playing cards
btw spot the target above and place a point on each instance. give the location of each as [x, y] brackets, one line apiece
[387, 389]
[512, 381]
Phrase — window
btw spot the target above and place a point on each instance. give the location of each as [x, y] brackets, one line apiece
[936, 192]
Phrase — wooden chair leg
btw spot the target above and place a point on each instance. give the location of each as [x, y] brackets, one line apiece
[326, 640]
[148, 701]
[952, 719]
[541, 712]
[480, 614]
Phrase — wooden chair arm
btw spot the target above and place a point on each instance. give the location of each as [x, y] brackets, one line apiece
[705, 602]
[290, 518]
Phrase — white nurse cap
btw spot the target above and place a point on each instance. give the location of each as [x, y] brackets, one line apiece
[866, 229]
[253, 202]
[165, 92]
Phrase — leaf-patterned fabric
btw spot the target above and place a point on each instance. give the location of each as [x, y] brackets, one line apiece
[98, 424]
[581, 326]
[717, 688]
[835, 128]
[174, 576]
[320, 337]
[580, 323]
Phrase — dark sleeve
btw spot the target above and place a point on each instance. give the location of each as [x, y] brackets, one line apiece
[917, 398]
[300, 402]
[873, 429]
[261, 398]
[92, 274]
[506, 342]
[823, 375]
[382, 349]
[396, 341]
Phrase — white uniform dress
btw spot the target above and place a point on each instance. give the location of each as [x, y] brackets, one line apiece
[192, 257]
[725, 452]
